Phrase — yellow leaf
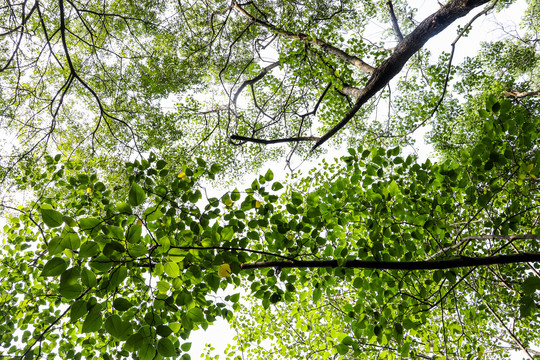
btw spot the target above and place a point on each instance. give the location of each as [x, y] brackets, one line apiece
[530, 167]
[533, 176]
[88, 190]
[182, 175]
[228, 202]
[257, 204]
[139, 222]
[224, 270]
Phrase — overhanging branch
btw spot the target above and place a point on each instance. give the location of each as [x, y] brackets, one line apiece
[400, 265]
[274, 141]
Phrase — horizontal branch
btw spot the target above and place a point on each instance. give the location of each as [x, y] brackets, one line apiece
[518, 94]
[274, 141]
[400, 265]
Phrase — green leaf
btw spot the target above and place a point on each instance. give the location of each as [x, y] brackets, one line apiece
[88, 278]
[317, 293]
[78, 310]
[342, 349]
[172, 269]
[124, 207]
[235, 195]
[117, 278]
[135, 342]
[196, 314]
[56, 246]
[122, 304]
[393, 188]
[89, 249]
[277, 186]
[136, 195]
[185, 346]
[531, 284]
[147, 352]
[269, 176]
[134, 234]
[90, 224]
[52, 218]
[118, 328]
[54, 267]
[138, 251]
[163, 330]
[93, 320]
[166, 348]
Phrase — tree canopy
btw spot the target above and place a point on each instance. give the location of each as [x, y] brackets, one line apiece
[119, 115]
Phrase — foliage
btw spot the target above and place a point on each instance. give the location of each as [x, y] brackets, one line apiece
[89, 273]
[110, 80]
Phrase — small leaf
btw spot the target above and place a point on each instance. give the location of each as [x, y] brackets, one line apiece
[88, 278]
[133, 234]
[166, 348]
[134, 342]
[163, 330]
[172, 269]
[118, 328]
[224, 270]
[531, 284]
[54, 267]
[78, 310]
[136, 195]
[93, 320]
[269, 176]
[122, 304]
[195, 314]
[124, 207]
[52, 218]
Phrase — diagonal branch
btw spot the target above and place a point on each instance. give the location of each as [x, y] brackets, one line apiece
[351, 59]
[255, 79]
[393, 18]
[406, 48]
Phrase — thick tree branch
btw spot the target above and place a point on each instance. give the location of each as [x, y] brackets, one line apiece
[518, 94]
[351, 59]
[274, 141]
[406, 48]
[400, 265]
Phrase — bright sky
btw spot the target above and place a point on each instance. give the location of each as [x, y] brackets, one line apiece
[487, 28]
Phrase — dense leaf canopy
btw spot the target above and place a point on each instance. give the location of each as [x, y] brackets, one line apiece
[119, 114]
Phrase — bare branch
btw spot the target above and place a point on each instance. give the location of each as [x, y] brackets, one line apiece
[517, 94]
[275, 141]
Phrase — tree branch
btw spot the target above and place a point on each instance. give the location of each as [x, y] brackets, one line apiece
[255, 79]
[400, 265]
[406, 48]
[393, 18]
[518, 94]
[274, 141]
[351, 59]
